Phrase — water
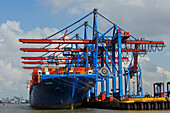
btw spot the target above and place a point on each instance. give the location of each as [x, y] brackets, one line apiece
[24, 108]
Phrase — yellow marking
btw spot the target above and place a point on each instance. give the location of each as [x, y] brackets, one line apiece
[145, 99]
[72, 108]
[126, 101]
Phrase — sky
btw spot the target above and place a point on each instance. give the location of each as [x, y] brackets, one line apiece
[41, 18]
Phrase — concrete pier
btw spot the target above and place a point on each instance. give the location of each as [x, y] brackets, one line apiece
[131, 104]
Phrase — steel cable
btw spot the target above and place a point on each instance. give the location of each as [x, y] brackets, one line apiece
[160, 46]
[152, 47]
[149, 48]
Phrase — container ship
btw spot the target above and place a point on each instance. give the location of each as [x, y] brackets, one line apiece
[54, 88]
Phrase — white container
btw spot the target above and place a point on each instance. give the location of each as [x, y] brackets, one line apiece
[46, 69]
[90, 71]
[47, 72]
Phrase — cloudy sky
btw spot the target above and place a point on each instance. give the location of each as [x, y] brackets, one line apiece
[40, 18]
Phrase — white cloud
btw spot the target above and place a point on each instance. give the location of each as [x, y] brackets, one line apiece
[142, 18]
[13, 77]
[145, 58]
[136, 3]
[74, 10]
[164, 73]
[167, 54]
[59, 5]
[152, 73]
[146, 83]
[1, 40]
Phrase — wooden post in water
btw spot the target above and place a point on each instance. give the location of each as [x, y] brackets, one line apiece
[141, 106]
[155, 105]
[148, 105]
[135, 106]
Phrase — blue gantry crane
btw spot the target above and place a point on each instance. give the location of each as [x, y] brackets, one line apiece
[102, 50]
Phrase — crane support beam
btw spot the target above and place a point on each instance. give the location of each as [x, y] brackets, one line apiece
[50, 50]
[75, 50]
[32, 67]
[60, 58]
[47, 58]
[137, 42]
[55, 41]
[46, 62]
[43, 67]
[55, 62]
[48, 67]
[129, 50]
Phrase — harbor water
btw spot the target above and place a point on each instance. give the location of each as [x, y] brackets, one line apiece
[25, 108]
